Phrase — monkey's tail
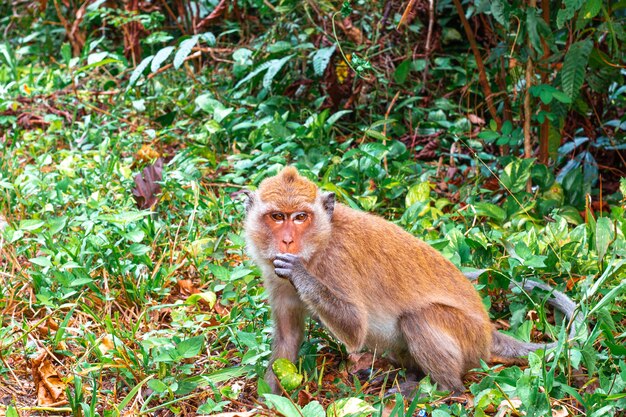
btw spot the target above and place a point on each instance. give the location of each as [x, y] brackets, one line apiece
[507, 347]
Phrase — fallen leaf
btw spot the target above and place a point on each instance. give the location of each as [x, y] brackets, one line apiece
[106, 344]
[50, 388]
[186, 287]
[475, 120]
[146, 154]
[562, 412]
[146, 185]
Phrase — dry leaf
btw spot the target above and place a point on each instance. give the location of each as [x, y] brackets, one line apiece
[512, 404]
[353, 33]
[186, 287]
[237, 414]
[50, 388]
[146, 185]
[146, 154]
[562, 412]
[106, 344]
[475, 120]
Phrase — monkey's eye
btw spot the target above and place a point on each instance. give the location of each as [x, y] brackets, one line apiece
[277, 217]
[300, 217]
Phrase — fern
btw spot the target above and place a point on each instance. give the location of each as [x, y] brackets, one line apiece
[574, 67]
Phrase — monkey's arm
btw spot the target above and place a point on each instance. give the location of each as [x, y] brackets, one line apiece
[288, 313]
[344, 319]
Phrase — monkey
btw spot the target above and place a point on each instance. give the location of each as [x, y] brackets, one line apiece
[371, 284]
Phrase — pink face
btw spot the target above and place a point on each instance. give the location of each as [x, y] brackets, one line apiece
[288, 228]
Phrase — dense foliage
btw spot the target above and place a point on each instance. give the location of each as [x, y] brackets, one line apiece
[494, 130]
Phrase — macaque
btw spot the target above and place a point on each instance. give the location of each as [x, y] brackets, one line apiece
[371, 284]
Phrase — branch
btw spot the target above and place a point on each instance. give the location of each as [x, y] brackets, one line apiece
[482, 74]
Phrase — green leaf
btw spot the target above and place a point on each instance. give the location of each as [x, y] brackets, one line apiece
[402, 72]
[139, 69]
[321, 58]
[516, 174]
[283, 405]
[263, 67]
[531, 28]
[160, 57]
[98, 64]
[604, 236]
[273, 69]
[352, 407]
[30, 225]
[11, 411]
[490, 210]
[499, 12]
[575, 66]
[571, 6]
[313, 409]
[190, 348]
[184, 49]
[418, 193]
[138, 249]
[41, 261]
[157, 386]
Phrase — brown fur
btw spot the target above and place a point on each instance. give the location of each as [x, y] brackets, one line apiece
[372, 284]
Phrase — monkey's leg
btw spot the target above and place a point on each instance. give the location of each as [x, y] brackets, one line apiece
[288, 313]
[435, 349]
[340, 315]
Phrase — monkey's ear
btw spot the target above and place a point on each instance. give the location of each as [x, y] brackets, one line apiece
[328, 201]
[249, 202]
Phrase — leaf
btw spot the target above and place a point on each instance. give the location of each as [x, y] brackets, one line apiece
[273, 70]
[402, 72]
[604, 236]
[157, 386]
[490, 210]
[575, 66]
[516, 174]
[283, 405]
[499, 12]
[190, 348]
[48, 384]
[313, 409]
[353, 407]
[139, 70]
[531, 27]
[321, 58]
[160, 57]
[571, 6]
[184, 49]
[146, 185]
[41, 261]
[418, 193]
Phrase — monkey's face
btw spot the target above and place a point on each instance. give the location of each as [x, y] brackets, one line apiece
[288, 229]
[287, 214]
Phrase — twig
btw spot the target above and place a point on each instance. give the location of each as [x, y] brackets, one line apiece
[427, 47]
[482, 74]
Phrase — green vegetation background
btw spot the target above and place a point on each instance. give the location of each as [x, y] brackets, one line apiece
[128, 130]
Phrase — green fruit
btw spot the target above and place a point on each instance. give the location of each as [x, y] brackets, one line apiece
[283, 367]
[291, 381]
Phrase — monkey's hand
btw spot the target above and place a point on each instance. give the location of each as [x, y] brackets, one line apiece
[290, 267]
